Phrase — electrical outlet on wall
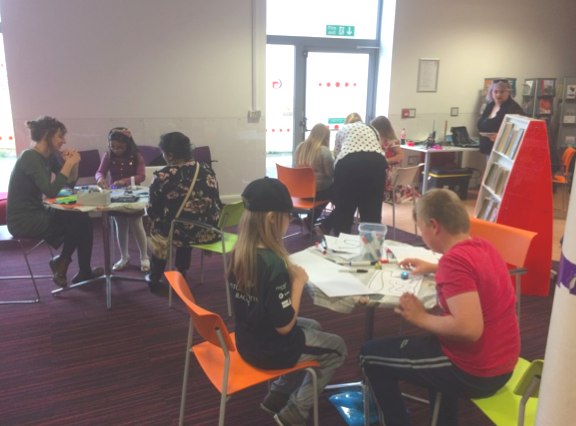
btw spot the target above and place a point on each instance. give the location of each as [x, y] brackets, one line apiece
[454, 112]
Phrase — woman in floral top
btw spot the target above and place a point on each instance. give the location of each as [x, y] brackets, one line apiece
[394, 154]
[167, 193]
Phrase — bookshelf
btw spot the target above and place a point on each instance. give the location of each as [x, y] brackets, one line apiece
[516, 191]
[538, 97]
[567, 122]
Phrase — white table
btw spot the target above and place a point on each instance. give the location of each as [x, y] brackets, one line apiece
[108, 276]
[427, 292]
[428, 152]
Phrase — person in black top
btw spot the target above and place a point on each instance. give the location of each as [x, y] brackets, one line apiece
[500, 103]
[266, 289]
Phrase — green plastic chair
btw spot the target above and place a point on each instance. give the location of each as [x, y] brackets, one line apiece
[513, 405]
[230, 216]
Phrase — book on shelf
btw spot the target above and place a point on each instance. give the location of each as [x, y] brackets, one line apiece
[544, 106]
[490, 206]
[527, 105]
[483, 208]
[547, 88]
[491, 173]
[528, 89]
[516, 144]
[494, 213]
[508, 145]
[501, 142]
[501, 183]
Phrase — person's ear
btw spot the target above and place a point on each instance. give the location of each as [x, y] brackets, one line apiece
[271, 217]
[435, 227]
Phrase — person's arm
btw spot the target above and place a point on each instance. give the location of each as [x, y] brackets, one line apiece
[300, 278]
[103, 171]
[418, 266]
[464, 323]
[156, 202]
[36, 171]
[140, 175]
[398, 155]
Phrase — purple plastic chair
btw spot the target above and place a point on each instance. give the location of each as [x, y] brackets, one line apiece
[149, 153]
[202, 154]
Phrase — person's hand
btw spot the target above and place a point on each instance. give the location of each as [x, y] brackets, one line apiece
[118, 183]
[102, 183]
[71, 156]
[411, 309]
[299, 276]
[418, 266]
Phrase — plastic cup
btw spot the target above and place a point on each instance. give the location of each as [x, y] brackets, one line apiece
[373, 236]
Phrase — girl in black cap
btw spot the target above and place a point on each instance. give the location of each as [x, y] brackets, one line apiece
[266, 289]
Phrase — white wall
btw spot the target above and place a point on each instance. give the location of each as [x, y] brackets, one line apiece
[474, 40]
[151, 65]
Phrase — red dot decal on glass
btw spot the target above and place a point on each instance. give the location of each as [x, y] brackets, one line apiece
[287, 130]
[327, 126]
[280, 130]
[0, 138]
[328, 84]
[273, 130]
[10, 137]
[336, 126]
[337, 84]
[319, 84]
[347, 85]
[266, 129]
[354, 84]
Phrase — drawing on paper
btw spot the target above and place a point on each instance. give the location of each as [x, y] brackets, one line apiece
[390, 283]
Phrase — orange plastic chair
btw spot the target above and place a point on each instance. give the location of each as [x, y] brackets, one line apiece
[301, 184]
[218, 356]
[565, 178]
[512, 244]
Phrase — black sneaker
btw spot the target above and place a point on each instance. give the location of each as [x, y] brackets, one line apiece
[287, 417]
[273, 402]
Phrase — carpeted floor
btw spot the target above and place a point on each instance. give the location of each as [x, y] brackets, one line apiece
[71, 361]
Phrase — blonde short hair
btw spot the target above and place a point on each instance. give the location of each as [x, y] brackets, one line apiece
[353, 117]
[446, 208]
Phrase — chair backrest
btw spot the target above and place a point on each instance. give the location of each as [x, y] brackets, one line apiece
[150, 174]
[202, 154]
[300, 181]
[89, 164]
[534, 371]
[512, 243]
[406, 175]
[567, 159]
[231, 214]
[149, 153]
[205, 322]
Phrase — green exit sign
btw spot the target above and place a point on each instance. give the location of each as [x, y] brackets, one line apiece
[336, 120]
[340, 30]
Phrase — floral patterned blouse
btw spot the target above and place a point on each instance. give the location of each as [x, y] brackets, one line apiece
[167, 192]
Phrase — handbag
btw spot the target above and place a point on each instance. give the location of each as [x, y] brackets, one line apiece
[158, 243]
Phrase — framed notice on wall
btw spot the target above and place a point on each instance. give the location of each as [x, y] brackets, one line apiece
[428, 75]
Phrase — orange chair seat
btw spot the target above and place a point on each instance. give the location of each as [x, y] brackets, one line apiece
[559, 179]
[302, 203]
[242, 375]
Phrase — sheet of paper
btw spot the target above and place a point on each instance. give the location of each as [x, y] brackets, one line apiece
[327, 277]
[403, 252]
[389, 283]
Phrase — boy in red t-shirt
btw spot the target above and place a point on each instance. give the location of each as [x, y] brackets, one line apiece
[474, 345]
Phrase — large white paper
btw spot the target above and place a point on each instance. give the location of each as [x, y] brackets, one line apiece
[327, 277]
[346, 246]
[404, 252]
[389, 283]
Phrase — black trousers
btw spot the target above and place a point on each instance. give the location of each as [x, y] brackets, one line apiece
[359, 181]
[74, 229]
[420, 361]
[181, 261]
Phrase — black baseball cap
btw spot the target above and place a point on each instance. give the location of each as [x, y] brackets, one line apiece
[267, 195]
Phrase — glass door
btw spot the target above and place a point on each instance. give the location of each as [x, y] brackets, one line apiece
[336, 85]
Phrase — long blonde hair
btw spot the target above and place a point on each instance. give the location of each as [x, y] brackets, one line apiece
[353, 117]
[306, 151]
[384, 127]
[256, 229]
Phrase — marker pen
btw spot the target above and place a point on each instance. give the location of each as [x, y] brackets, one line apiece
[320, 249]
[362, 263]
[359, 271]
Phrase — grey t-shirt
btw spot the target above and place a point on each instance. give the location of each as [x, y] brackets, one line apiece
[323, 168]
[31, 178]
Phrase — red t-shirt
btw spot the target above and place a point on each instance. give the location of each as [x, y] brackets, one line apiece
[475, 265]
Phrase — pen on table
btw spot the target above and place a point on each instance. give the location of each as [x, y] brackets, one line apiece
[362, 263]
[319, 248]
[359, 271]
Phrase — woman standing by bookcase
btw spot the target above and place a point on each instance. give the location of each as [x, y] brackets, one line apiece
[500, 103]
